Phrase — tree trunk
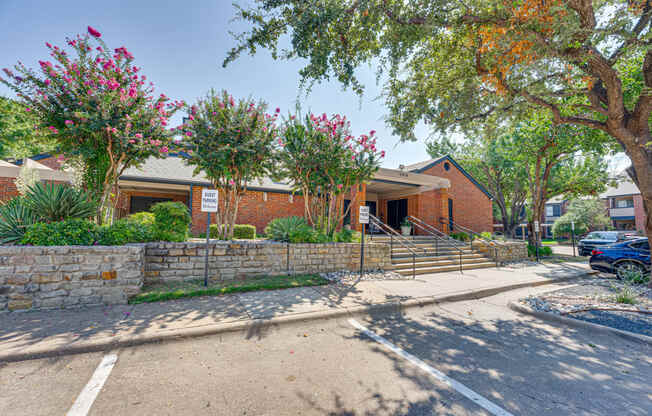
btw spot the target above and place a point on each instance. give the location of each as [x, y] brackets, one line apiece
[641, 174]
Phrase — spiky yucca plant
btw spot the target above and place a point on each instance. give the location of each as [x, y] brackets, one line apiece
[15, 218]
[57, 202]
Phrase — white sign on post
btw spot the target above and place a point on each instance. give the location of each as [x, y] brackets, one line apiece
[209, 200]
[364, 215]
[573, 225]
[536, 226]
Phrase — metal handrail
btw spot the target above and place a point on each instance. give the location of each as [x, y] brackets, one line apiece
[433, 231]
[477, 235]
[404, 242]
[422, 225]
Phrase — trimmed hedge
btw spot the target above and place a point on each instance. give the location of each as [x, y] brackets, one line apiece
[125, 231]
[240, 231]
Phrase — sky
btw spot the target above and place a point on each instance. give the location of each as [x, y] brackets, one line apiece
[181, 45]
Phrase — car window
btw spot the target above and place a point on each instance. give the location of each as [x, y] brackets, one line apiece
[641, 245]
[593, 236]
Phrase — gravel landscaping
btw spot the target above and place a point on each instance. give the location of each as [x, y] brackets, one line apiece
[351, 277]
[596, 299]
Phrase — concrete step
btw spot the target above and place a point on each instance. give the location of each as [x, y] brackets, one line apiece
[431, 264]
[441, 269]
[440, 252]
[408, 259]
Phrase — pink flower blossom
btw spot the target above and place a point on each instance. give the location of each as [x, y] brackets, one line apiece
[382, 154]
[132, 141]
[28, 109]
[69, 123]
[47, 82]
[139, 136]
[191, 117]
[164, 149]
[231, 182]
[53, 129]
[189, 134]
[339, 186]
[372, 132]
[94, 32]
[48, 44]
[278, 110]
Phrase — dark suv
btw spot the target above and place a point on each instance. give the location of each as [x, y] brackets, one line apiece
[619, 257]
[600, 238]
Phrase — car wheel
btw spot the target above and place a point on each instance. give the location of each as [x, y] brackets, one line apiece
[624, 267]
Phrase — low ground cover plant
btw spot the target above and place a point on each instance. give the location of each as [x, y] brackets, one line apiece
[177, 290]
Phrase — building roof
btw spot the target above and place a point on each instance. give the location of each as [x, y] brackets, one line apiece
[175, 170]
[427, 164]
[624, 187]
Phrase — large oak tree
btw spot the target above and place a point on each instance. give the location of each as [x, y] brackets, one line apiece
[454, 63]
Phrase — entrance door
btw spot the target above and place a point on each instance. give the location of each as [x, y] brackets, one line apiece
[450, 214]
[396, 211]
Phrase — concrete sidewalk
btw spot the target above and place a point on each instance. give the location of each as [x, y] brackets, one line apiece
[47, 333]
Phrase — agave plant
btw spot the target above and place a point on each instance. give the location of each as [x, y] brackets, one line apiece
[280, 229]
[57, 202]
[15, 218]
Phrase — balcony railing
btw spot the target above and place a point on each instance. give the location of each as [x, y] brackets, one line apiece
[621, 212]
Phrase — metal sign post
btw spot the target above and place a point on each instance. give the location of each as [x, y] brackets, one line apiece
[363, 218]
[208, 205]
[573, 236]
[536, 238]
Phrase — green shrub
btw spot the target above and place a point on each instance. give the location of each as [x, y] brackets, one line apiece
[460, 236]
[544, 251]
[486, 235]
[244, 231]
[72, 232]
[343, 236]
[142, 218]
[125, 231]
[172, 220]
[57, 202]
[301, 234]
[240, 231]
[279, 229]
[15, 218]
[635, 276]
[626, 295]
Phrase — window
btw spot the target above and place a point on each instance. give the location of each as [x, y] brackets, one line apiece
[549, 211]
[447, 166]
[624, 203]
[641, 245]
[553, 210]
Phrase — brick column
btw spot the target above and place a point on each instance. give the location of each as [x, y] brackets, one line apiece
[360, 196]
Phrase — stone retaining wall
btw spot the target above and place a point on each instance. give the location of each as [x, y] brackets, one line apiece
[236, 260]
[505, 251]
[54, 277]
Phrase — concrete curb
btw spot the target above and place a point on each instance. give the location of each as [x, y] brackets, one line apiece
[578, 323]
[103, 344]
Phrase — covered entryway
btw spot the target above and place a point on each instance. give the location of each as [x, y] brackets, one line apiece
[397, 210]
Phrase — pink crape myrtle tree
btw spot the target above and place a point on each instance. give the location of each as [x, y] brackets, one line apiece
[99, 109]
[324, 162]
[234, 144]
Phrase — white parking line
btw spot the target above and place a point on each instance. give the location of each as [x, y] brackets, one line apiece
[461, 388]
[86, 398]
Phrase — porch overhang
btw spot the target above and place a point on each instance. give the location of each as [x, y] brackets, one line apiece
[395, 184]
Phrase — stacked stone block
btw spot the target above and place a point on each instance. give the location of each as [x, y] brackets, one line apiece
[55, 277]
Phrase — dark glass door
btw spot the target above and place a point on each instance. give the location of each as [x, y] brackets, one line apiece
[450, 214]
[396, 211]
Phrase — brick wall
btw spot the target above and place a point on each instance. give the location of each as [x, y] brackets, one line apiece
[55, 277]
[255, 208]
[639, 213]
[471, 206]
[7, 189]
[228, 261]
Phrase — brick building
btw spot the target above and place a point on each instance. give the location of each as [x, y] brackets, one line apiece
[432, 191]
